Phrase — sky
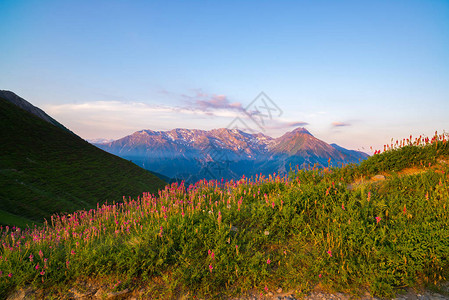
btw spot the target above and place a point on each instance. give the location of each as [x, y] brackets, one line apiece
[355, 73]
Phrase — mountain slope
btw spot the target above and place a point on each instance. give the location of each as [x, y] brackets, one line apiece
[44, 170]
[25, 105]
[225, 153]
[357, 154]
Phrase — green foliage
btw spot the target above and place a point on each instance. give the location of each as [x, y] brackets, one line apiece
[224, 240]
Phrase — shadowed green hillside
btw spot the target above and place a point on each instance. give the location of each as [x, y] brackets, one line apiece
[45, 170]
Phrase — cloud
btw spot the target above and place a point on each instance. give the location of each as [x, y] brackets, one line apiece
[197, 109]
[340, 124]
[297, 124]
[115, 119]
[209, 103]
[280, 124]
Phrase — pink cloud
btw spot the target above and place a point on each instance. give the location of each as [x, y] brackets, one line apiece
[282, 125]
[206, 102]
[340, 124]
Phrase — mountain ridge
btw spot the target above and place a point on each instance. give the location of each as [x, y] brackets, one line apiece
[180, 152]
[27, 106]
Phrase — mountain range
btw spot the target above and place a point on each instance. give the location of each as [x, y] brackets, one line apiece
[193, 154]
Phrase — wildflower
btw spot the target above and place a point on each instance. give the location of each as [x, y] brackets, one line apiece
[268, 261]
[319, 276]
[211, 268]
[72, 252]
[266, 289]
[272, 204]
[343, 206]
[330, 253]
[266, 232]
[37, 267]
[42, 272]
[369, 196]
[31, 257]
[212, 255]
[40, 253]
[404, 211]
[10, 275]
[67, 264]
[378, 219]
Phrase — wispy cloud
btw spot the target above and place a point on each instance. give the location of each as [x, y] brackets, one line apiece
[210, 102]
[196, 109]
[340, 124]
[281, 124]
[115, 119]
[297, 124]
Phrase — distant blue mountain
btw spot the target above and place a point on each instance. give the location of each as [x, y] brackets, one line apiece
[226, 153]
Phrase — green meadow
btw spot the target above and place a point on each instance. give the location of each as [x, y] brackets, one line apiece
[334, 228]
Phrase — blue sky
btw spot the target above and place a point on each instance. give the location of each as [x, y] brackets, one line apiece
[357, 73]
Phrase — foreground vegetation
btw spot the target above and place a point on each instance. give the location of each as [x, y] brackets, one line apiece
[45, 170]
[331, 227]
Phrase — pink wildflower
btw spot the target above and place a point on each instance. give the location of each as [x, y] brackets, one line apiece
[319, 276]
[268, 261]
[31, 257]
[10, 275]
[330, 253]
[37, 267]
[211, 268]
[378, 219]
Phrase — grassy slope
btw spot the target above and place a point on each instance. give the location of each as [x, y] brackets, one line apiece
[46, 170]
[299, 233]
